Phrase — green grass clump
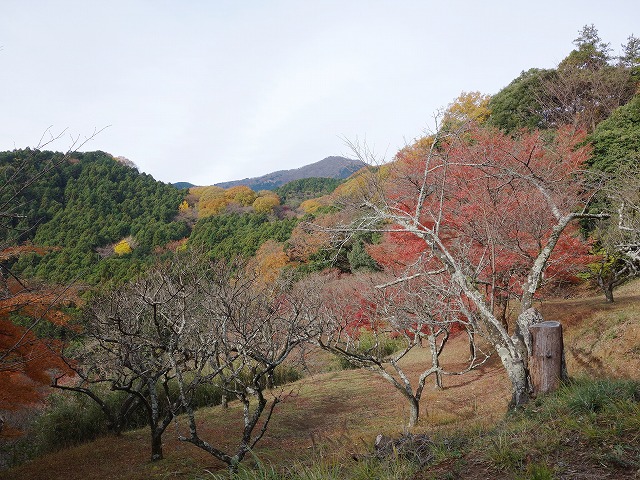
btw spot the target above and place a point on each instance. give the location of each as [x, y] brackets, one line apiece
[599, 419]
[537, 471]
[585, 397]
[377, 346]
[365, 469]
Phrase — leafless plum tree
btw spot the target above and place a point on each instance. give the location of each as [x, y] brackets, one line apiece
[618, 237]
[255, 327]
[135, 337]
[373, 322]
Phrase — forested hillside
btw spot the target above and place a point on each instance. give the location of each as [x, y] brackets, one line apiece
[100, 218]
[297, 191]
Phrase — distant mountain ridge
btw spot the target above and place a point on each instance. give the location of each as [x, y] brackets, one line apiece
[330, 167]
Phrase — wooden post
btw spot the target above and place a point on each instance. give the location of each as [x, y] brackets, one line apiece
[545, 364]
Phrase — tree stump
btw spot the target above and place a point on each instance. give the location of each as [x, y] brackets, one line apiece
[545, 364]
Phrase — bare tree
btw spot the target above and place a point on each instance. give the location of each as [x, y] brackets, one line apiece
[584, 97]
[373, 323]
[134, 339]
[618, 237]
[187, 323]
[255, 328]
[587, 86]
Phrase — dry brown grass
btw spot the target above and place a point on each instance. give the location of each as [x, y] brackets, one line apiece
[601, 339]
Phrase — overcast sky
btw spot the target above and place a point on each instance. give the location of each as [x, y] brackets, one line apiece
[210, 91]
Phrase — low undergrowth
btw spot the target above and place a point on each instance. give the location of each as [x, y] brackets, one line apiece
[72, 418]
[589, 428]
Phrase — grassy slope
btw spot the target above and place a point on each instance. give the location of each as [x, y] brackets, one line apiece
[602, 339]
[337, 414]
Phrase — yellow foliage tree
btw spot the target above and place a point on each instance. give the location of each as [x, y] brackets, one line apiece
[214, 206]
[210, 200]
[468, 107]
[207, 193]
[122, 247]
[184, 207]
[310, 206]
[266, 203]
[361, 184]
[240, 194]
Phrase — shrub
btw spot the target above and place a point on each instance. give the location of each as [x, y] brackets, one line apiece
[376, 345]
[68, 420]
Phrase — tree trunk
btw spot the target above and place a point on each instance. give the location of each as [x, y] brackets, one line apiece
[435, 360]
[545, 364]
[503, 304]
[154, 415]
[606, 287]
[520, 387]
[608, 292]
[414, 411]
[156, 445]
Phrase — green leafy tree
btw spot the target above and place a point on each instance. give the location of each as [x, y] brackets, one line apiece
[616, 140]
[360, 260]
[297, 191]
[516, 106]
[630, 57]
[232, 234]
[591, 53]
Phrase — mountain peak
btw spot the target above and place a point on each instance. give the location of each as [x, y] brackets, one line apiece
[329, 167]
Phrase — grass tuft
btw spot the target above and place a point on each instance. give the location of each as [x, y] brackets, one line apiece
[591, 422]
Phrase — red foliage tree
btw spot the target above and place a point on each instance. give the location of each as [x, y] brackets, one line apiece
[490, 211]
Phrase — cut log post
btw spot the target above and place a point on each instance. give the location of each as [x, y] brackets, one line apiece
[545, 364]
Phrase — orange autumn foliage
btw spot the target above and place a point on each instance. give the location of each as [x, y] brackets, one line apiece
[269, 261]
[27, 365]
[305, 241]
[27, 361]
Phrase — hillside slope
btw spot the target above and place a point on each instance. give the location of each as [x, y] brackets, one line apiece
[81, 206]
[337, 415]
